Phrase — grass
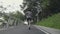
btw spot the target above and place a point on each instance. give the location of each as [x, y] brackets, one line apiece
[53, 21]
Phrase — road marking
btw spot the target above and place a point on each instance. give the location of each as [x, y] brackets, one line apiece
[41, 29]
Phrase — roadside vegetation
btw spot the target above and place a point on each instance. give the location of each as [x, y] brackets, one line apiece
[52, 21]
[45, 12]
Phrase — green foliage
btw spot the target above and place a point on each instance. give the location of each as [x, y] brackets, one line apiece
[17, 15]
[45, 3]
[6, 17]
[32, 5]
[53, 21]
[48, 7]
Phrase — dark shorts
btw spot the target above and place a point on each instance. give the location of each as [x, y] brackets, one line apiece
[29, 19]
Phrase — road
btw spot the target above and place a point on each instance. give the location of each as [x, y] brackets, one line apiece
[21, 29]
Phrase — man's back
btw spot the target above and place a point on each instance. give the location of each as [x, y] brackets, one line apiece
[28, 14]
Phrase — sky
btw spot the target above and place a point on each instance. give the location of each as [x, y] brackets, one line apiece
[12, 5]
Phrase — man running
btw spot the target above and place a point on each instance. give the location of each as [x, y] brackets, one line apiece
[29, 17]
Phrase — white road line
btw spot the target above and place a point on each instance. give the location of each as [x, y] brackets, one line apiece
[41, 30]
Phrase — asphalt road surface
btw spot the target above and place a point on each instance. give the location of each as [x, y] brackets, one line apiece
[21, 29]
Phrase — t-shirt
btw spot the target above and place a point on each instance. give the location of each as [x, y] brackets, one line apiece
[28, 14]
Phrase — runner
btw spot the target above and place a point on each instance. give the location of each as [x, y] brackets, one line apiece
[29, 18]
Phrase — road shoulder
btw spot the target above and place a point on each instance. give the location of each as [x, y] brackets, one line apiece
[48, 30]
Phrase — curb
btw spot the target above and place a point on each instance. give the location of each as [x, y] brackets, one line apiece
[42, 29]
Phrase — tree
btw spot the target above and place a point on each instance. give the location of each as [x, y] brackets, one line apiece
[17, 15]
[41, 8]
[33, 6]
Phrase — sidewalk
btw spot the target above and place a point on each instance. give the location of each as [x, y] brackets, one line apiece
[48, 30]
